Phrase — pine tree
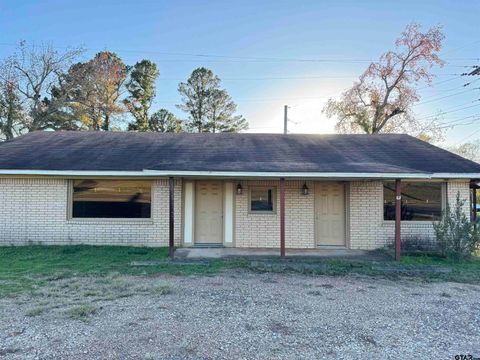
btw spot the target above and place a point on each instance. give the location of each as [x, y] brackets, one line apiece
[141, 87]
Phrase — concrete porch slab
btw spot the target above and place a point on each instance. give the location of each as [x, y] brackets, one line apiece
[215, 253]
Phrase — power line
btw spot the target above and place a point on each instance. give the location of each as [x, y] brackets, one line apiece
[457, 122]
[443, 97]
[467, 137]
[243, 58]
[440, 82]
[456, 88]
[292, 78]
[449, 109]
[462, 47]
[432, 116]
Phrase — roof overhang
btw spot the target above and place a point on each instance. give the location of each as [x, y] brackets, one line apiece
[240, 174]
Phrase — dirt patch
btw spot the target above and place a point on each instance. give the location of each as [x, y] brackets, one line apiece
[240, 314]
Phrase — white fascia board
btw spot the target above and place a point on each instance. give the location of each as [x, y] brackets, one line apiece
[302, 175]
[71, 173]
[239, 174]
[456, 176]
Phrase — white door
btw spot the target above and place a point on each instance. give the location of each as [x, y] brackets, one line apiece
[330, 213]
[208, 214]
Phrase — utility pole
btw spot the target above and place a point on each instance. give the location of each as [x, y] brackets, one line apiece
[285, 119]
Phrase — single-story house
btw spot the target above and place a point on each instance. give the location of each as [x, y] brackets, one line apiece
[232, 190]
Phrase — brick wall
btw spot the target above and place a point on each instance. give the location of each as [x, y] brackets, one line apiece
[35, 211]
[368, 230]
[263, 230]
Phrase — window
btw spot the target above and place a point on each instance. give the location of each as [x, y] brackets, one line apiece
[420, 201]
[111, 199]
[262, 199]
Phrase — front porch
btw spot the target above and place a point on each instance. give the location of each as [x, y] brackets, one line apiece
[305, 217]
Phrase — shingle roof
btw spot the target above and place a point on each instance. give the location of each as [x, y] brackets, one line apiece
[130, 151]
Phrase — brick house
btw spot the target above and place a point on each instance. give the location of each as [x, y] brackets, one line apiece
[232, 190]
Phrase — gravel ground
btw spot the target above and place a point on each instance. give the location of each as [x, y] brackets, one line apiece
[241, 315]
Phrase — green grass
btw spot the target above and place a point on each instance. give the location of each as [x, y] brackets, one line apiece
[23, 268]
[464, 271]
[82, 312]
[421, 268]
[29, 268]
[36, 311]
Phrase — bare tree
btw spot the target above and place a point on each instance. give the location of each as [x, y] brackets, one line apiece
[382, 99]
[34, 71]
[470, 150]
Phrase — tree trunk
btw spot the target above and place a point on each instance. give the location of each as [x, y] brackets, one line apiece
[106, 123]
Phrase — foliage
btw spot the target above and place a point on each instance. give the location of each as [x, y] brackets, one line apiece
[12, 116]
[457, 236]
[210, 108]
[91, 91]
[164, 121]
[195, 97]
[417, 245]
[141, 87]
[32, 72]
[82, 312]
[36, 311]
[381, 100]
[469, 150]
[30, 268]
[42, 88]
[221, 113]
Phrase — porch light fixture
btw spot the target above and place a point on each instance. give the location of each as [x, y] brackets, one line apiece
[239, 189]
[305, 189]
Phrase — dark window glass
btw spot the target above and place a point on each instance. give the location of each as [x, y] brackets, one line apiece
[420, 201]
[111, 199]
[262, 199]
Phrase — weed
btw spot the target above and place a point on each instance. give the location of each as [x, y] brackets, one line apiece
[36, 311]
[30, 269]
[82, 312]
[162, 290]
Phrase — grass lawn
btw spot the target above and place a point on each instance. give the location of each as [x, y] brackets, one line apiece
[23, 267]
[26, 267]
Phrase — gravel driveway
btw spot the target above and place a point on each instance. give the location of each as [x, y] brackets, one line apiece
[241, 315]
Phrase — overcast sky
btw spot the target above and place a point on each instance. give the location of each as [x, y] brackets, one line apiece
[257, 48]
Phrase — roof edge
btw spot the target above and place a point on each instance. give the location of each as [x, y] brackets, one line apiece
[229, 174]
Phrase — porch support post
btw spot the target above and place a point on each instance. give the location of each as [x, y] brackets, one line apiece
[474, 204]
[282, 217]
[398, 215]
[171, 223]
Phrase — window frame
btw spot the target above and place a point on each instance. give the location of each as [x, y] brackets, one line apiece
[443, 189]
[274, 200]
[71, 218]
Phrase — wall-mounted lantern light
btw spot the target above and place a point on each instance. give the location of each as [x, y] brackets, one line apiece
[239, 189]
[305, 189]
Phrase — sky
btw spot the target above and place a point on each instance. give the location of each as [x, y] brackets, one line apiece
[259, 50]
